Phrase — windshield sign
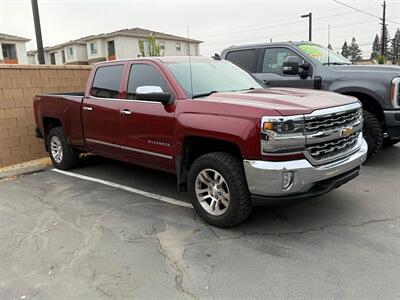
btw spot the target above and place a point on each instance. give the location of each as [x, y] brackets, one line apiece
[323, 55]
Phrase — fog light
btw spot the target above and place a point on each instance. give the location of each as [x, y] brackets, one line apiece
[287, 180]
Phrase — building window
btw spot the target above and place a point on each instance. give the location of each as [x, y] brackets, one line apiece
[162, 45]
[111, 50]
[70, 52]
[93, 48]
[178, 47]
[9, 51]
[53, 58]
[63, 56]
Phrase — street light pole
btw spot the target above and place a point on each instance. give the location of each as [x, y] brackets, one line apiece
[38, 31]
[309, 16]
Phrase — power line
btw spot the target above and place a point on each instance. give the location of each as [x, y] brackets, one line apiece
[364, 12]
[357, 9]
[268, 26]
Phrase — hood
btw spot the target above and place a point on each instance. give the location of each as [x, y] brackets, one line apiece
[286, 101]
[388, 69]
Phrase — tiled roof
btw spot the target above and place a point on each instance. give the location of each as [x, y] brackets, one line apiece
[10, 37]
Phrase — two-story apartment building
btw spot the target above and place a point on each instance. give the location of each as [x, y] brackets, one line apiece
[69, 53]
[13, 49]
[115, 45]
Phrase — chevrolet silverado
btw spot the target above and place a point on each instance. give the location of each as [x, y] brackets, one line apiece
[228, 138]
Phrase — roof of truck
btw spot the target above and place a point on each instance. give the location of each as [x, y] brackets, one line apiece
[267, 44]
[162, 59]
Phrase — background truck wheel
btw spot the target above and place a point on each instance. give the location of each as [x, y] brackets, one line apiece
[373, 133]
[389, 142]
[219, 191]
[63, 156]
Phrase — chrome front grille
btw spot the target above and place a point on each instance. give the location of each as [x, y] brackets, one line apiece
[333, 149]
[332, 121]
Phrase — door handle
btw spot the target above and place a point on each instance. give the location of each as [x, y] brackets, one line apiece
[125, 112]
[87, 108]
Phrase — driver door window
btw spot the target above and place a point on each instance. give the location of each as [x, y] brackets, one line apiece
[144, 75]
[274, 58]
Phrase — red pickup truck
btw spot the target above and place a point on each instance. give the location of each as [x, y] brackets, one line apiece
[228, 138]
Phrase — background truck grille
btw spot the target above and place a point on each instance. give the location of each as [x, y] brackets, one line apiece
[326, 150]
[332, 121]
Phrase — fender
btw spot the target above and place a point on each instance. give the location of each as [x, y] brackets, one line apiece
[239, 131]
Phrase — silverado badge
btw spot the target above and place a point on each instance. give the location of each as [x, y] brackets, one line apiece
[346, 132]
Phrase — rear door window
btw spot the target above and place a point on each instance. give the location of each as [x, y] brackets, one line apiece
[246, 59]
[106, 81]
[144, 75]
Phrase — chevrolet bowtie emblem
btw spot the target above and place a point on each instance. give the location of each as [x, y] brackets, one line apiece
[347, 131]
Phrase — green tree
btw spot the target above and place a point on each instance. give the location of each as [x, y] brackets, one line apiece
[395, 48]
[354, 50]
[345, 50]
[153, 48]
[387, 50]
[376, 48]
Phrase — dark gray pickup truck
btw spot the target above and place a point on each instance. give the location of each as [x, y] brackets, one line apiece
[308, 65]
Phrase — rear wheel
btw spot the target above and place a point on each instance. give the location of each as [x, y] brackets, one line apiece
[63, 155]
[373, 133]
[219, 191]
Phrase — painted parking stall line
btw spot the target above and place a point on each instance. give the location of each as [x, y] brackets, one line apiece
[125, 188]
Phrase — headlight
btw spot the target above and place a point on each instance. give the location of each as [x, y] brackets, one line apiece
[395, 92]
[281, 135]
[283, 126]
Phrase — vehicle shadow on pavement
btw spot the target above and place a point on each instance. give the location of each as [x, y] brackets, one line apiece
[340, 207]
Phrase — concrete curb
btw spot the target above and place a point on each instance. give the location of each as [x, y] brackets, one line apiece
[25, 168]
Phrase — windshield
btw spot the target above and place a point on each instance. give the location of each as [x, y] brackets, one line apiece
[324, 55]
[211, 77]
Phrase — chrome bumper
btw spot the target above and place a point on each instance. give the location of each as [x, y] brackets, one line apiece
[264, 178]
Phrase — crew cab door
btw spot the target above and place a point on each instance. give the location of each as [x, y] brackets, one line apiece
[270, 68]
[100, 111]
[147, 127]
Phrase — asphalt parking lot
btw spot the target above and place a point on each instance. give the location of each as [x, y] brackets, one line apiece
[63, 237]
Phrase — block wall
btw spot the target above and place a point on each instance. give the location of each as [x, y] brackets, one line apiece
[18, 85]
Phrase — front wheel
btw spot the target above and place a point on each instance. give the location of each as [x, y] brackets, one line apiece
[63, 155]
[219, 191]
[373, 133]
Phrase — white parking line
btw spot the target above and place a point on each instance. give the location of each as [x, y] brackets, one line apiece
[126, 188]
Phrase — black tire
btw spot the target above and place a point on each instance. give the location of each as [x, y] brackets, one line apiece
[373, 133]
[389, 142]
[70, 157]
[232, 171]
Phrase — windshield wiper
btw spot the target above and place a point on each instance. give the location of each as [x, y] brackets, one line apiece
[249, 89]
[204, 94]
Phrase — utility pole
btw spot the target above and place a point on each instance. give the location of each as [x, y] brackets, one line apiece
[383, 39]
[38, 31]
[309, 16]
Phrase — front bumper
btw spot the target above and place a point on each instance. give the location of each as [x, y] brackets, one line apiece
[392, 121]
[264, 178]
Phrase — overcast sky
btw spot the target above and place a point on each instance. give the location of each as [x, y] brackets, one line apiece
[219, 23]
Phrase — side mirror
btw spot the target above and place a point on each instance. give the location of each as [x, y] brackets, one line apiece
[153, 93]
[291, 65]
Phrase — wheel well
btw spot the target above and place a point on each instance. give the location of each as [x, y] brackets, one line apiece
[369, 104]
[193, 147]
[48, 124]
